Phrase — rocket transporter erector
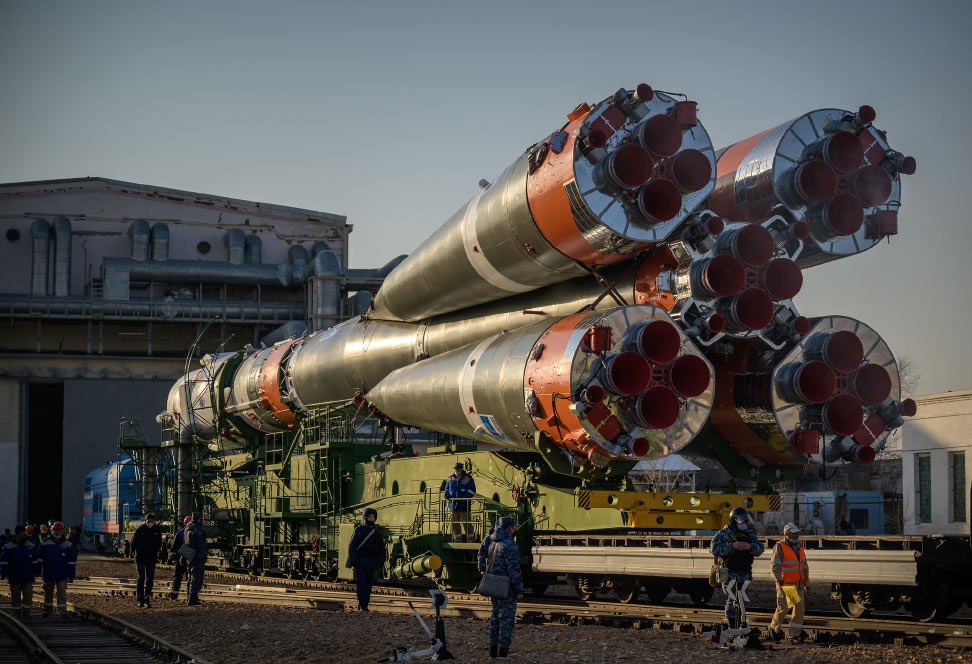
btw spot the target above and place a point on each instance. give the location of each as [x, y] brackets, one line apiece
[622, 290]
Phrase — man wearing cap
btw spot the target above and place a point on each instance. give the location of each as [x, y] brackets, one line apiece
[146, 544]
[196, 539]
[58, 560]
[502, 558]
[790, 570]
[18, 565]
[459, 489]
[366, 553]
[736, 546]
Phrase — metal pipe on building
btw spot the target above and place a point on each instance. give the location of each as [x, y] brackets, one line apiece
[62, 256]
[139, 233]
[149, 478]
[290, 329]
[40, 233]
[159, 239]
[325, 293]
[168, 308]
[297, 255]
[253, 250]
[235, 243]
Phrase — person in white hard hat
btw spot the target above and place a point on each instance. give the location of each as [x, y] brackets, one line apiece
[793, 578]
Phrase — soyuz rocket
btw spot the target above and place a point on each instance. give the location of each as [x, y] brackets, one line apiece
[621, 288]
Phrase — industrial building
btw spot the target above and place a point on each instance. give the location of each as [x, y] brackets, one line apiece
[935, 450]
[105, 286]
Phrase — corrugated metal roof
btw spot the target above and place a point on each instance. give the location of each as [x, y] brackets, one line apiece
[181, 193]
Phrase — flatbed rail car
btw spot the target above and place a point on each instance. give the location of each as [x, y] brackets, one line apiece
[931, 576]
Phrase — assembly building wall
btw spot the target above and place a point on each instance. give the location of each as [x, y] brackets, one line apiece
[93, 410]
[9, 451]
[936, 453]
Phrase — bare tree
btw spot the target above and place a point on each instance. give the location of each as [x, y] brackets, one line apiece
[909, 375]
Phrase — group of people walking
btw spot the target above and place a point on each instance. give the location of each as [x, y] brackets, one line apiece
[187, 555]
[51, 555]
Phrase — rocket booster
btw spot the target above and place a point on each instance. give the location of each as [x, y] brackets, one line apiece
[617, 178]
[621, 383]
[831, 168]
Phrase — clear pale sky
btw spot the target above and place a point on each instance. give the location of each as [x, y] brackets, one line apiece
[391, 112]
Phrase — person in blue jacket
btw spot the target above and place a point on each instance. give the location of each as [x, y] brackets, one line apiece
[18, 565]
[460, 487]
[177, 561]
[366, 553]
[58, 561]
[736, 546]
[196, 539]
[502, 557]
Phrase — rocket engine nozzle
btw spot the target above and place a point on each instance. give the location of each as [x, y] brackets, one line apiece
[658, 341]
[782, 278]
[657, 408]
[752, 244]
[811, 382]
[749, 311]
[626, 373]
[660, 135]
[815, 181]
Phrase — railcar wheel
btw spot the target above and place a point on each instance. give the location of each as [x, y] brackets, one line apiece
[539, 588]
[626, 588]
[933, 605]
[925, 610]
[851, 608]
[701, 593]
[657, 592]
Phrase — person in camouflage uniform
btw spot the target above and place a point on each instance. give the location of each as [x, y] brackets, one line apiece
[196, 539]
[736, 546]
[505, 562]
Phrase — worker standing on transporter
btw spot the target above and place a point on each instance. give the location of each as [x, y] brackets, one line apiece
[18, 565]
[459, 489]
[196, 539]
[177, 561]
[502, 557]
[146, 544]
[736, 546]
[845, 527]
[792, 576]
[58, 562]
[366, 553]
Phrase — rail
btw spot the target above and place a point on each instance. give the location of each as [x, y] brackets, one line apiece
[820, 626]
[64, 639]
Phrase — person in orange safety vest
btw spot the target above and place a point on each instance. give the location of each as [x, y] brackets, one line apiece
[790, 569]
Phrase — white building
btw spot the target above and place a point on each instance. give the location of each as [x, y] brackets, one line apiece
[936, 447]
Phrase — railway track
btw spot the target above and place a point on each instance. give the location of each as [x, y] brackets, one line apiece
[830, 627]
[83, 635]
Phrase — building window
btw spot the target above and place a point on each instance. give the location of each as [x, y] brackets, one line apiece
[956, 475]
[923, 487]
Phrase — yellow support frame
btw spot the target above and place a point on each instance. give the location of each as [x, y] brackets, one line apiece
[676, 511]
